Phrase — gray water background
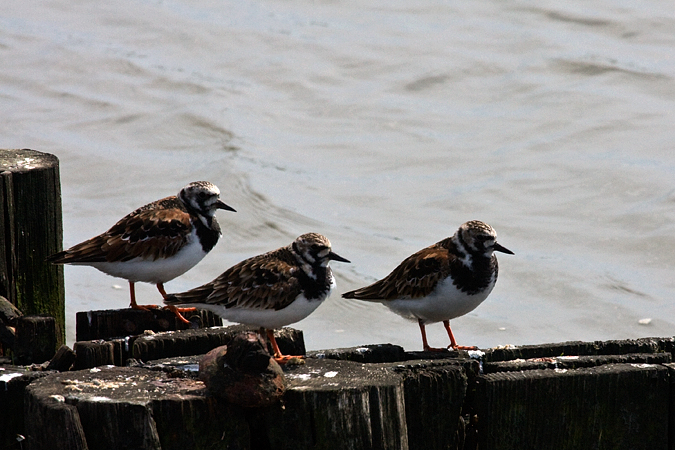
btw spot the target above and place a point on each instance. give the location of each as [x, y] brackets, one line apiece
[383, 125]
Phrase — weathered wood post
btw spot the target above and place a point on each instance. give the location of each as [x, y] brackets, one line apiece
[30, 230]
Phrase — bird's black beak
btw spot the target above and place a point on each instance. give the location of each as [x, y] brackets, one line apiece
[499, 248]
[220, 205]
[336, 257]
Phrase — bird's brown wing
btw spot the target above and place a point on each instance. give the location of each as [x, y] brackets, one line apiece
[157, 230]
[266, 281]
[415, 277]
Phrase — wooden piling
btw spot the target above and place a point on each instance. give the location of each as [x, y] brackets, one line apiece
[95, 353]
[13, 383]
[116, 323]
[330, 404]
[579, 348]
[54, 424]
[35, 339]
[115, 408]
[190, 342]
[611, 395]
[614, 406]
[30, 230]
[154, 346]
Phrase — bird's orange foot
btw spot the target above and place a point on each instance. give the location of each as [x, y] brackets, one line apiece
[178, 311]
[462, 347]
[183, 310]
[289, 359]
[143, 307]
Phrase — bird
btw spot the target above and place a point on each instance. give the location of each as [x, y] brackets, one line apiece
[445, 280]
[271, 290]
[155, 243]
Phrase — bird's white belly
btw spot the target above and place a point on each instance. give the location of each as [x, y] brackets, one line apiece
[445, 303]
[266, 318]
[156, 271]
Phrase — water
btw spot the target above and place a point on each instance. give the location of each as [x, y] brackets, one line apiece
[383, 125]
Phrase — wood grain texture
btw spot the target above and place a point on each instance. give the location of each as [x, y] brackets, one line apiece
[31, 229]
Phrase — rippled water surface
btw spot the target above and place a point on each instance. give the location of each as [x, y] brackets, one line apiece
[383, 125]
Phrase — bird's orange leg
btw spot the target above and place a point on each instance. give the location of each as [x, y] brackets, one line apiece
[278, 356]
[453, 342]
[425, 344]
[172, 308]
[134, 305]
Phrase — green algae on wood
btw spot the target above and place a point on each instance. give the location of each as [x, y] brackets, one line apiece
[30, 230]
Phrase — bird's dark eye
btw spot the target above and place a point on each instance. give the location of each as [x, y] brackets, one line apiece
[202, 195]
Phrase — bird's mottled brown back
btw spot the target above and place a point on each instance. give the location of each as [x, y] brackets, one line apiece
[161, 226]
[267, 281]
[415, 277]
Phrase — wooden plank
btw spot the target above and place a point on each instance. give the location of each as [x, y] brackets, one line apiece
[379, 353]
[32, 230]
[330, 404]
[575, 362]
[614, 347]
[191, 342]
[615, 406]
[116, 323]
[155, 346]
[96, 353]
[344, 404]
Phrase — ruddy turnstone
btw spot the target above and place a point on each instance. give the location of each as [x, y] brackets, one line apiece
[441, 282]
[271, 290]
[157, 242]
